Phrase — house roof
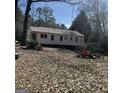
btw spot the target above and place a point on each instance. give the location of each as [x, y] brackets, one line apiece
[54, 31]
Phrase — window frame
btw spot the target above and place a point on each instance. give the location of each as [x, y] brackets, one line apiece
[76, 39]
[52, 37]
[61, 38]
[43, 36]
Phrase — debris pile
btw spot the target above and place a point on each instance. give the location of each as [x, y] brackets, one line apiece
[54, 71]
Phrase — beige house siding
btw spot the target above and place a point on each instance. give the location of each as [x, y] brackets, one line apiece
[57, 41]
[66, 37]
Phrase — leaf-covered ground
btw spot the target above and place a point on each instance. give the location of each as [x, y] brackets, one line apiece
[55, 71]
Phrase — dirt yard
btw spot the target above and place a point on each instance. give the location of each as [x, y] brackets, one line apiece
[60, 71]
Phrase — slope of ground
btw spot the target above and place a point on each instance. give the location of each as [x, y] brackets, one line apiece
[59, 71]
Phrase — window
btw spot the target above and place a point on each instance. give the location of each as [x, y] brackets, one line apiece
[45, 36]
[76, 39]
[70, 38]
[41, 35]
[61, 38]
[52, 37]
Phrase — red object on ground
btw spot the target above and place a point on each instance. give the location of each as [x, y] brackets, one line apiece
[85, 53]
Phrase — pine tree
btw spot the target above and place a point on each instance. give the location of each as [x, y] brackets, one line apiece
[81, 25]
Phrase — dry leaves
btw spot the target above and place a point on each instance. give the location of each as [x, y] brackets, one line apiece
[55, 71]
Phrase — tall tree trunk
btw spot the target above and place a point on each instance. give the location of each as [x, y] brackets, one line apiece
[25, 26]
[16, 7]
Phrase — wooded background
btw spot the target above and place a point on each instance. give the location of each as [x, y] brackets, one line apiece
[92, 21]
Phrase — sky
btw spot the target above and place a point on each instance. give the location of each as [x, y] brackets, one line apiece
[64, 13]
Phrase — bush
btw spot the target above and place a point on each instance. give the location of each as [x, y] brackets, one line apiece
[39, 47]
[94, 47]
[31, 44]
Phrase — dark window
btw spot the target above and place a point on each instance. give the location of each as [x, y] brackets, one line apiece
[70, 38]
[45, 36]
[41, 35]
[76, 39]
[61, 38]
[52, 37]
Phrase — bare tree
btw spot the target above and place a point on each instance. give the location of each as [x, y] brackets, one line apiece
[97, 13]
[29, 2]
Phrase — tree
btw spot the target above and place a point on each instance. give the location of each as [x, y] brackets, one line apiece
[96, 11]
[61, 26]
[82, 25]
[39, 20]
[45, 17]
[104, 43]
[16, 7]
[29, 2]
[98, 41]
[18, 24]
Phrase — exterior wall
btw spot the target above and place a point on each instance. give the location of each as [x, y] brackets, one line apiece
[57, 41]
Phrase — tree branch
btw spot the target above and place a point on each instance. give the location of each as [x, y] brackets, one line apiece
[65, 1]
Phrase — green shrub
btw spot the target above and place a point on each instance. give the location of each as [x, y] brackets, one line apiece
[39, 47]
[31, 44]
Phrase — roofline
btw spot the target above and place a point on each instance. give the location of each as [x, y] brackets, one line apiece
[57, 33]
[56, 29]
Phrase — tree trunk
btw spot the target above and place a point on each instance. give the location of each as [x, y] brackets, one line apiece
[25, 26]
[16, 7]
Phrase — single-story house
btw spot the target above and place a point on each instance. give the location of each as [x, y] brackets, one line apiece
[53, 36]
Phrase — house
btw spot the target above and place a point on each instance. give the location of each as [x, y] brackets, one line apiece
[52, 36]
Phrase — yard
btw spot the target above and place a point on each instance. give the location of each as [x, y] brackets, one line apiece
[60, 71]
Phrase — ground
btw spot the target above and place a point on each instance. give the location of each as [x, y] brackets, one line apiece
[60, 71]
